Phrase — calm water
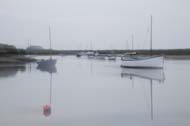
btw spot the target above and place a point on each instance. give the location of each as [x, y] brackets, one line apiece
[95, 93]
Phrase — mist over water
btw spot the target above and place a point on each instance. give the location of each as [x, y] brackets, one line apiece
[95, 92]
[91, 88]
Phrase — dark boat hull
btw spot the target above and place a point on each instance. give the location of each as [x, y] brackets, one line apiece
[49, 62]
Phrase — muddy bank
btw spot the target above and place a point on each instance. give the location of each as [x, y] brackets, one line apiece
[15, 60]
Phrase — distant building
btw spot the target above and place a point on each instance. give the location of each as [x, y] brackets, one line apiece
[34, 48]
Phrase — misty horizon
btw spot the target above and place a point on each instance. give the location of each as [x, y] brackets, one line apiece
[105, 24]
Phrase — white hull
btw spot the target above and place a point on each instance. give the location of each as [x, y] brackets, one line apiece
[91, 57]
[144, 62]
[150, 74]
[100, 57]
[112, 58]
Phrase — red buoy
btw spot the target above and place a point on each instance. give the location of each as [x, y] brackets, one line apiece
[47, 110]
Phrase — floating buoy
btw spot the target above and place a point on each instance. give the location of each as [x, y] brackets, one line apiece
[47, 110]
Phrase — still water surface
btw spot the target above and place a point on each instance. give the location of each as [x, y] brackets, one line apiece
[95, 93]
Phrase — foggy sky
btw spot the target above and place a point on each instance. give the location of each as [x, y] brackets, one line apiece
[107, 24]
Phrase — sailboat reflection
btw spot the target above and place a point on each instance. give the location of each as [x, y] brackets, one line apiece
[148, 74]
[50, 69]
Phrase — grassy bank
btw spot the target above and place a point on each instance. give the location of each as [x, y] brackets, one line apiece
[18, 54]
[14, 60]
[141, 52]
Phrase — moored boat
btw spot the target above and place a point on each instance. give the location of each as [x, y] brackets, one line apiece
[49, 62]
[143, 62]
[112, 58]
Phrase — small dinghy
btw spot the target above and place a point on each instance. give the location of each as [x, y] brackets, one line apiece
[49, 62]
[45, 63]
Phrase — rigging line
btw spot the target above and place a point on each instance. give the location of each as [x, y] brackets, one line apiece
[127, 45]
[50, 98]
[146, 38]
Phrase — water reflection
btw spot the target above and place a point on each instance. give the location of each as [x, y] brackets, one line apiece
[47, 63]
[50, 69]
[11, 71]
[148, 74]
[47, 107]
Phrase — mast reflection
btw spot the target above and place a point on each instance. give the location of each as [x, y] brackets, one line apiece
[50, 69]
[148, 74]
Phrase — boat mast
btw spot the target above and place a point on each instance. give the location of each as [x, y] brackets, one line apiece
[127, 46]
[151, 34]
[29, 47]
[91, 45]
[50, 40]
[132, 40]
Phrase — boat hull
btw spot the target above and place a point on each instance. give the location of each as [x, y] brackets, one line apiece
[100, 57]
[49, 62]
[146, 62]
[111, 58]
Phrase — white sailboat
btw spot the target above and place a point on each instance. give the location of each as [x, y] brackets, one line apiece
[113, 58]
[49, 62]
[145, 61]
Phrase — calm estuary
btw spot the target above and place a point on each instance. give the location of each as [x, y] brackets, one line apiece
[87, 92]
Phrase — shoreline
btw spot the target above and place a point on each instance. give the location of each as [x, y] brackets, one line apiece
[177, 57]
[21, 60]
[15, 60]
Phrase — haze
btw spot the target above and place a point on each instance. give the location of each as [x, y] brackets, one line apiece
[107, 24]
